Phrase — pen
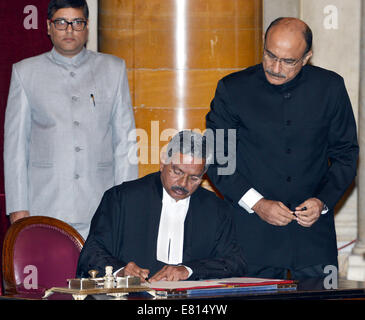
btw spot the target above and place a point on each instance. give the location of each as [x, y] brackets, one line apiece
[92, 98]
[303, 209]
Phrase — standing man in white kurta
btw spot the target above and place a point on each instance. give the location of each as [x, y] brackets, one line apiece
[69, 125]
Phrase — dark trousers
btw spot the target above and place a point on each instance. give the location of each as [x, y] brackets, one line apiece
[315, 271]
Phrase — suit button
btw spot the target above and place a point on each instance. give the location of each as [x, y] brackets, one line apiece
[77, 149]
[76, 123]
[288, 151]
[72, 74]
[74, 98]
[77, 177]
[288, 122]
[288, 179]
[287, 95]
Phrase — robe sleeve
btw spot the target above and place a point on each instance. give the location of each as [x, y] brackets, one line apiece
[226, 259]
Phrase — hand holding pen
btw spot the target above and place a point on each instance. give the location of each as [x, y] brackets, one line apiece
[302, 209]
[308, 212]
[132, 269]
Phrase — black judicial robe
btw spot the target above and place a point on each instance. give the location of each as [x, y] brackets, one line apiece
[293, 141]
[125, 228]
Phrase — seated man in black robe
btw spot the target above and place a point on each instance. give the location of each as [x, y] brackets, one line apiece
[165, 226]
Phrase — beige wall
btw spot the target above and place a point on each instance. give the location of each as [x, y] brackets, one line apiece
[273, 9]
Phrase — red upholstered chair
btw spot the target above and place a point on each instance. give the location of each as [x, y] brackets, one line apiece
[50, 245]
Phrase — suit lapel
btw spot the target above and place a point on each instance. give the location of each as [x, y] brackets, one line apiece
[196, 240]
[154, 216]
[188, 233]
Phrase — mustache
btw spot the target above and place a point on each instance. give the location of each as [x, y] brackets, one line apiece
[178, 188]
[276, 75]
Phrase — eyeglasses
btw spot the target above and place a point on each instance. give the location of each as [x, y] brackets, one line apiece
[62, 24]
[289, 63]
[177, 173]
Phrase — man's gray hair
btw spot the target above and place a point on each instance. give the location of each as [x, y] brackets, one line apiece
[191, 143]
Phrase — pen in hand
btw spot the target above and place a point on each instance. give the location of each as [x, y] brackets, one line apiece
[303, 209]
[92, 98]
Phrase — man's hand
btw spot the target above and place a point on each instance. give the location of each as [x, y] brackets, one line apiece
[14, 216]
[131, 269]
[171, 273]
[312, 213]
[273, 212]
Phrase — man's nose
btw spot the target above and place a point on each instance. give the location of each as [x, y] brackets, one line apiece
[183, 180]
[69, 28]
[276, 66]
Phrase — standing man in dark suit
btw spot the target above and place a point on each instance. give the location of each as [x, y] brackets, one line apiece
[164, 225]
[296, 154]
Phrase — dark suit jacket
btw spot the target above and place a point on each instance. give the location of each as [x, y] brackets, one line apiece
[125, 228]
[294, 141]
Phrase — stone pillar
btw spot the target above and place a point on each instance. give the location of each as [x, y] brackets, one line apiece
[92, 43]
[356, 262]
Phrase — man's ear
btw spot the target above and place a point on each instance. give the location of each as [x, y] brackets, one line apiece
[48, 26]
[161, 166]
[87, 28]
[307, 57]
[163, 158]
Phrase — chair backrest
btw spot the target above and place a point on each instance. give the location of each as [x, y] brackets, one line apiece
[4, 225]
[44, 245]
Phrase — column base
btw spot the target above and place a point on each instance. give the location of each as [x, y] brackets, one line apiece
[356, 267]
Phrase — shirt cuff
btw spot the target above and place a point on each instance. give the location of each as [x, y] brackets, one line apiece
[249, 199]
[189, 270]
[325, 209]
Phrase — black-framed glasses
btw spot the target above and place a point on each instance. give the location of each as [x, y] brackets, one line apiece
[62, 24]
[286, 62]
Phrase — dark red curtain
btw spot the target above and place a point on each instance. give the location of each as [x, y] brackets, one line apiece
[23, 34]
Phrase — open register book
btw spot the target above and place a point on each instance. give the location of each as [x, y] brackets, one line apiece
[220, 286]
